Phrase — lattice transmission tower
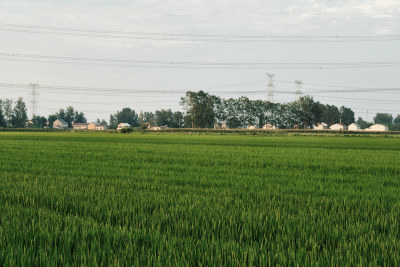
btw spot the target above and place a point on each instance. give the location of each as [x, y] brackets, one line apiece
[271, 87]
[34, 98]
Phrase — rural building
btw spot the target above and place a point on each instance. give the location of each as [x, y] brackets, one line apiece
[123, 125]
[377, 128]
[354, 127]
[97, 126]
[220, 126]
[269, 126]
[60, 124]
[80, 126]
[338, 126]
[158, 128]
[252, 127]
[321, 126]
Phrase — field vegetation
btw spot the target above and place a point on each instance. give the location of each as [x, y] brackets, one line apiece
[185, 199]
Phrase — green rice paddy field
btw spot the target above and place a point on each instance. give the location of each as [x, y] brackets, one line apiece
[206, 200]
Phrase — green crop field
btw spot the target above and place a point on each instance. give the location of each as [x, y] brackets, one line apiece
[208, 200]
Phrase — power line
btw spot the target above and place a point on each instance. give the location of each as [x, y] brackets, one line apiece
[158, 36]
[116, 91]
[195, 64]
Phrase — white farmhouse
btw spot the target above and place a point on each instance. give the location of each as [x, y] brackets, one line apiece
[123, 125]
[220, 126]
[377, 128]
[338, 126]
[60, 124]
[252, 127]
[80, 126]
[269, 126]
[354, 127]
[97, 126]
[158, 128]
[321, 126]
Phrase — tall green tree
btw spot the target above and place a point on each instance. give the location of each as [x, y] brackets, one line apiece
[19, 114]
[39, 122]
[7, 106]
[200, 108]
[383, 118]
[149, 118]
[164, 117]
[3, 122]
[69, 115]
[330, 114]
[126, 115]
[346, 115]
[231, 113]
[307, 112]
[52, 118]
[397, 119]
[363, 124]
[177, 119]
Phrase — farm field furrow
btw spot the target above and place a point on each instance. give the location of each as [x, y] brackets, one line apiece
[184, 199]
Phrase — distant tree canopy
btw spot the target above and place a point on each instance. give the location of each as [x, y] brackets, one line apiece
[165, 117]
[39, 122]
[383, 118]
[19, 114]
[397, 119]
[363, 124]
[3, 122]
[200, 108]
[126, 115]
[69, 115]
[203, 109]
[306, 112]
[346, 115]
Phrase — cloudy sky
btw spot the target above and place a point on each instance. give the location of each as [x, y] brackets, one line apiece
[100, 56]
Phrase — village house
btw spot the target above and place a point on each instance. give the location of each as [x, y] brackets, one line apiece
[321, 126]
[338, 126]
[354, 127]
[158, 128]
[269, 126]
[377, 128]
[252, 127]
[123, 125]
[95, 126]
[80, 126]
[220, 126]
[60, 124]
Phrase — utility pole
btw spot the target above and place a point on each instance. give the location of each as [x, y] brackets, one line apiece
[271, 87]
[34, 95]
[298, 87]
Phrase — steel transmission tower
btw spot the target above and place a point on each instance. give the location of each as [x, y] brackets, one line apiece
[270, 87]
[298, 87]
[34, 95]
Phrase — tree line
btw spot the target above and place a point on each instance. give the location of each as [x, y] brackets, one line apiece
[203, 110]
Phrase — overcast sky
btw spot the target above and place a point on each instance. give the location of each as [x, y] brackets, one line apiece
[379, 19]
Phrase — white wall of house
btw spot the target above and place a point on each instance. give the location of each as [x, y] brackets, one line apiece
[378, 128]
[338, 126]
[269, 126]
[57, 124]
[123, 125]
[354, 127]
[321, 126]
